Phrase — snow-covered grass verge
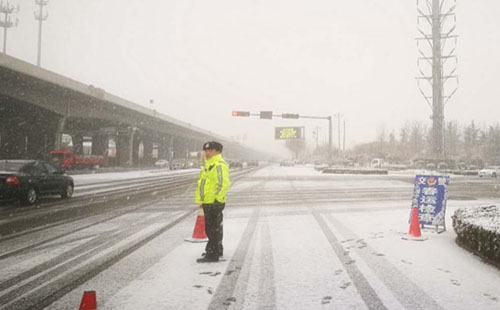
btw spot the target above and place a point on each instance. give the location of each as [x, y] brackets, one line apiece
[478, 230]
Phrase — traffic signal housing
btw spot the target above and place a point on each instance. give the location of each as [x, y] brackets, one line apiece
[241, 113]
[289, 115]
[266, 114]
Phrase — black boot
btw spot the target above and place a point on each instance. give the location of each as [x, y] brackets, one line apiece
[205, 254]
[208, 259]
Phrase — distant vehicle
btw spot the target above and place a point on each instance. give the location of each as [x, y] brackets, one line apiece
[190, 164]
[27, 180]
[235, 164]
[179, 163]
[377, 163]
[321, 166]
[287, 163]
[442, 166]
[492, 171]
[67, 160]
[162, 163]
[253, 163]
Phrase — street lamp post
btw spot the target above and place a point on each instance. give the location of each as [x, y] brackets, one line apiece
[6, 10]
[41, 17]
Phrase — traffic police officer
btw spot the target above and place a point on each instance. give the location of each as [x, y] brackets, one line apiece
[213, 183]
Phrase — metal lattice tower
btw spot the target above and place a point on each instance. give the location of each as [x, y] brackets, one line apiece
[6, 9]
[40, 16]
[438, 62]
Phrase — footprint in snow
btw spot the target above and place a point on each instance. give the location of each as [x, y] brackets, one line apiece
[326, 300]
[492, 298]
[198, 286]
[406, 262]
[215, 274]
[337, 272]
[378, 254]
[229, 301]
[444, 270]
[345, 285]
[229, 272]
[210, 290]
[455, 282]
[350, 262]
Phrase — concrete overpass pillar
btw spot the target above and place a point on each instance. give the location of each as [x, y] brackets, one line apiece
[100, 145]
[162, 150]
[195, 146]
[135, 150]
[59, 132]
[180, 147]
[148, 152]
[77, 140]
[125, 148]
[37, 148]
[170, 155]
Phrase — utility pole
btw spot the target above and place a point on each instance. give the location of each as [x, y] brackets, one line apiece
[40, 16]
[330, 133]
[6, 10]
[339, 117]
[438, 62]
[343, 146]
[316, 135]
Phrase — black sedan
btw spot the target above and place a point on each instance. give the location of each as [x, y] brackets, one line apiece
[27, 180]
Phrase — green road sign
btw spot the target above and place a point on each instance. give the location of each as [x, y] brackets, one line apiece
[288, 133]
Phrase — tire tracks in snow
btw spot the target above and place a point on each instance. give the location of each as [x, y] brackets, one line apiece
[410, 295]
[365, 290]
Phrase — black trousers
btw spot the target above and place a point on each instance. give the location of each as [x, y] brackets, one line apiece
[214, 228]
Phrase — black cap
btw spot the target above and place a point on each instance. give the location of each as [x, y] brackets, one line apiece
[212, 145]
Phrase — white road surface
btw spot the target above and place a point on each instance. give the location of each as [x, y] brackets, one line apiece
[293, 239]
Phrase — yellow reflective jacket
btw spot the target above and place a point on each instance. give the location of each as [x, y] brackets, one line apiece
[213, 181]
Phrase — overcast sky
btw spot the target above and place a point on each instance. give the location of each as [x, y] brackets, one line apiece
[201, 59]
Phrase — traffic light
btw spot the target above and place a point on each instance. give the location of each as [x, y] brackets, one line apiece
[266, 114]
[289, 115]
[241, 113]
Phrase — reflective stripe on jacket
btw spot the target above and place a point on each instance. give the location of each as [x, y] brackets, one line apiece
[213, 181]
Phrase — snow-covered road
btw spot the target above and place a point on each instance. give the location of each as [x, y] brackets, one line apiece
[293, 239]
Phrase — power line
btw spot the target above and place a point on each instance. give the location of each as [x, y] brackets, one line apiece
[438, 62]
[40, 16]
[6, 10]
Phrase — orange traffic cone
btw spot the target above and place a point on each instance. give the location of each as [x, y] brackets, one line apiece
[89, 301]
[199, 234]
[414, 232]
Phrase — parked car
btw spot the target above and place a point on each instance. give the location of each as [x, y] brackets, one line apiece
[27, 180]
[65, 159]
[492, 171]
[253, 163]
[190, 164]
[179, 163]
[162, 163]
[235, 164]
[321, 166]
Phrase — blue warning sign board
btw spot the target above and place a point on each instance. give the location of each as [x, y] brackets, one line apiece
[430, 195]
